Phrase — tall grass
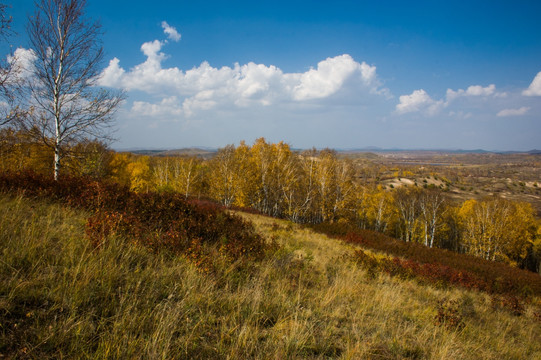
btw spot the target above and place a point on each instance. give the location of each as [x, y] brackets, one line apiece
[62, 298]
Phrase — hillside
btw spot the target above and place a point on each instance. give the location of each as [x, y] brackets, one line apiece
[61, 297]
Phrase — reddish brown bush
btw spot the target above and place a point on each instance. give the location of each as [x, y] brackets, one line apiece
[509, 302]
[449, 315]
[156, 220]
[439, 265]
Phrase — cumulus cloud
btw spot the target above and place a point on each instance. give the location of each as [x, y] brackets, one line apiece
[474, 90]
[535, 87]
[112, 73]
[513, 112]
[168, 106]
[330, 76]
[171, 32]
[205, 86]
[22, 61]
[418, 100]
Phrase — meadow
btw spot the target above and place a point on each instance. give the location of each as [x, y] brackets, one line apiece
[305, 295]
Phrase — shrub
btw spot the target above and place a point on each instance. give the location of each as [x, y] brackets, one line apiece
[441, 266]
[160, 221]
[449, 315]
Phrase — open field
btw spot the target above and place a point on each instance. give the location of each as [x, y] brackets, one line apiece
[515, 176]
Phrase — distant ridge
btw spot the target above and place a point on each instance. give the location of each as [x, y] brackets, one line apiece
[376, 149]
[207, 152]
[192, 151]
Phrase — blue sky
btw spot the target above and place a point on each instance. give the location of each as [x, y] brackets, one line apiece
[341, 74]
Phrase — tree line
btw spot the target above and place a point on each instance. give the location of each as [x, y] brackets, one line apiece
[310, 187]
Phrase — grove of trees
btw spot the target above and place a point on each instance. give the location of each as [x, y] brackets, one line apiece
[308, 187]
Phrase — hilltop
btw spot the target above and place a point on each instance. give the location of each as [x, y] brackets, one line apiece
[307, 298]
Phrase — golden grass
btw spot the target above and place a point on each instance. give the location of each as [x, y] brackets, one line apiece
[59, 298]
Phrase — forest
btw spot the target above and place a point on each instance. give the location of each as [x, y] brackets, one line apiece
[311, 187]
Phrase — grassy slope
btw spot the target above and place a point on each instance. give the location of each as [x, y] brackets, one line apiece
[60, 298]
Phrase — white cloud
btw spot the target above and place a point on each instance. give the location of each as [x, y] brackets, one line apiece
[330, 76]
[474, 90]
[418, 100]
[513, 112]
[535, 87]
[168, 106]
[112, 73]
[478, 90]
[152, 50]
[22, 61]
[205, 86]
[171, 32]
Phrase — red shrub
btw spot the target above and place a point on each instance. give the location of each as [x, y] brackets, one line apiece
[157, 220]
[439, 265]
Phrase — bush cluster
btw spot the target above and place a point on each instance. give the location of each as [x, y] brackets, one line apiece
[432, 273]
[156, 220]
[449, 315]
[436, 265]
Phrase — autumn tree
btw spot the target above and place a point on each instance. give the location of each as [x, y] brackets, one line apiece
[378, 211]
[140, 175]
[274, 173]
[407, 203]
[451, 229]
[186, 175]
[90, 158]
[497, 229]
[431, 206]
[345, 199]
[69, 55]
[162, 173]
[326, 183]
[119, 168]
[20, 151]
[223, 175]
[287, 180]
[308, 202]
[536, 251]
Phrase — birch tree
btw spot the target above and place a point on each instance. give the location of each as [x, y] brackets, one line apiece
[223, 176]
[69, 105]
[431, 204]
[497, 229]
[407, 203]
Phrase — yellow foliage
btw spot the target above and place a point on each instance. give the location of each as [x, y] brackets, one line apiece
[139, 174]
[497, 229]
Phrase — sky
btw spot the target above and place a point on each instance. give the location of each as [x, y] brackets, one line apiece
[340, 74]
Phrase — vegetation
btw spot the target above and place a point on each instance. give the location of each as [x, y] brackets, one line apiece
[158, 221]
[131, 256]
[63, 298]
[436, 266]
[67, 104]
[320, 187]
[313, 187]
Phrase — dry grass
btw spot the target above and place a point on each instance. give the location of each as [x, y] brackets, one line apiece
[59, 298]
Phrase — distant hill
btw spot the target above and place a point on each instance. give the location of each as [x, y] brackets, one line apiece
[374, 149]
[199, 152]
[371, 151]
